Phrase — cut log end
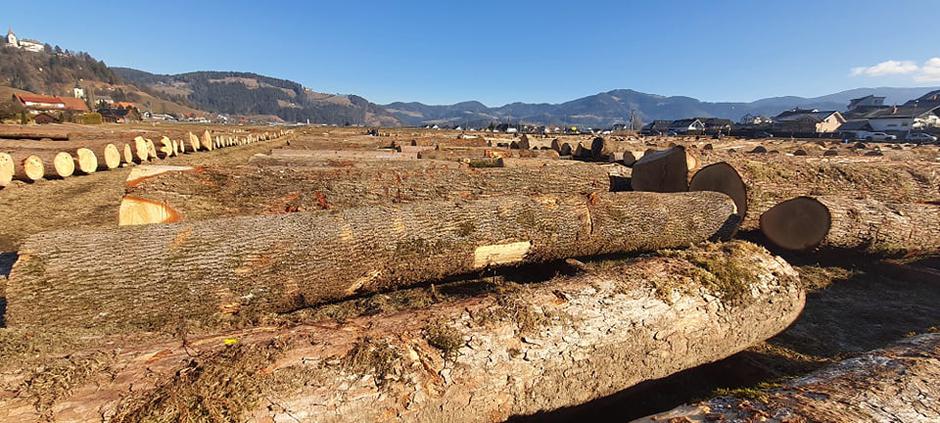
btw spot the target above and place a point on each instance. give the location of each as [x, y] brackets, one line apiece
[63, 165]
[111, 157]
[87, 160]
[799, 224]
[141, 211]
[7, 169]
[722, 177]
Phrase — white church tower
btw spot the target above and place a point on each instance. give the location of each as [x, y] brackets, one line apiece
[11, 38]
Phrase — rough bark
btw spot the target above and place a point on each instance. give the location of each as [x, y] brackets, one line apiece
[664, 171]
[894, 384]
[804, 223]
[248, 190]
[771, 181]
[264, 160]
[517, 351]
[215, 270]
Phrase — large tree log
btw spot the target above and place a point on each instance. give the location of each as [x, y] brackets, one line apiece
[33, 135]
[55, 164]
[213, 192]
[28, 167]
[804, 223]
[771, 181]
[894, 384]
[211, 270]
[722, 177]
[664, 171]
[519, 350]
[343, 154]
[264, 160]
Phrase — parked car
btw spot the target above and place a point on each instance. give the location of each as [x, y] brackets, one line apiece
[879, 136]
[921, 138]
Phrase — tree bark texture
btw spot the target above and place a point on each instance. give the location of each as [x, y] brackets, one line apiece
[214, 192]
[208, 272]
[894, 384]
[771, 181]
[805, 223]
[536, 347]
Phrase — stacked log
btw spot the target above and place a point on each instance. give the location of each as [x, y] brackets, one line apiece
[664, 171]
[247, 267]
[894, 384]
[86, 161]
[484, 358]
[771, 181]
[207, 193]
[805, 223]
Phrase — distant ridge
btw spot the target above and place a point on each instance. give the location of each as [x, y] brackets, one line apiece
[607, 108]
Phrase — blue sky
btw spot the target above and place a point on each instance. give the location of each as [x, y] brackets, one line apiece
[441, 52]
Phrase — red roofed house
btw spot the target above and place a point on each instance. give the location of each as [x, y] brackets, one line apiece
[74, 104]
[39, 102]
[36, 103]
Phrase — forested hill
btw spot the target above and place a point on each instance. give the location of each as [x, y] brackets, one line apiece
[252, 94]
[51, 72]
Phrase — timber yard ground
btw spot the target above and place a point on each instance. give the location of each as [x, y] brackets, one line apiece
[856, 301]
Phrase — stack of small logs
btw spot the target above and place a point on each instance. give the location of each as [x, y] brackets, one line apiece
[30, 157]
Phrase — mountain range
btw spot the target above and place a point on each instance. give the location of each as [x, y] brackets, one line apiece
[607, 108]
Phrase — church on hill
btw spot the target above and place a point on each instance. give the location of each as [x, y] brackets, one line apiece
[11, 40]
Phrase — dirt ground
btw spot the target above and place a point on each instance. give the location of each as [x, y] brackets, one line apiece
[855, 303]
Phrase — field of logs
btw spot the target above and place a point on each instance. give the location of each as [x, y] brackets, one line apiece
[338, 274]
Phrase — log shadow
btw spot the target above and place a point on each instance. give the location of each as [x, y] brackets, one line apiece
[740, 370]
[6, 265]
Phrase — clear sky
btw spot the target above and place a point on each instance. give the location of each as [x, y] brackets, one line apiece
[441, 52]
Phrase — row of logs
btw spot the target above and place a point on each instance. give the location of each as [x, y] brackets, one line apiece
[30, 161]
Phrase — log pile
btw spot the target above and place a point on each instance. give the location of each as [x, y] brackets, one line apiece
[31, 161]
[517, 351]
[775, 179]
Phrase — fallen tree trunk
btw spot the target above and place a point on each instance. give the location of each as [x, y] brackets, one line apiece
[33, 135]
[213, 192]
[771, 181]
[343, 154]
[216, 270]
[520, 350]
[264, 160]
[110, 157]
[894, 384]
[804, 223]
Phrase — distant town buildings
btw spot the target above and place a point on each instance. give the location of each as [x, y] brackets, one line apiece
[12, 41]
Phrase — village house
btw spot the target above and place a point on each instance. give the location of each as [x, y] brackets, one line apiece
[41, 103]
[918, 114]
[806, 121]
[717, 125]
[657, 127]
[687, 126]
